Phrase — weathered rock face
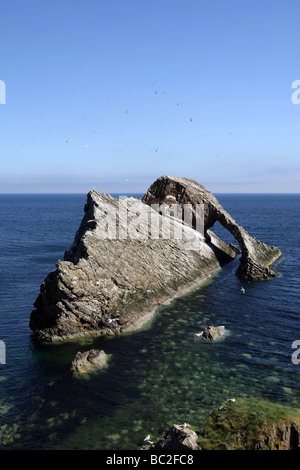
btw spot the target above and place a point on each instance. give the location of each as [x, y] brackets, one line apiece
[256, 256]
[85, 362]
[178, 438]
[123, 263]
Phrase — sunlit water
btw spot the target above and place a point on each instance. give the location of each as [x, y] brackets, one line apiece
[162, 374]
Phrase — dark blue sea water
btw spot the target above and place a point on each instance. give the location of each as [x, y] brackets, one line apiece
[162, 374]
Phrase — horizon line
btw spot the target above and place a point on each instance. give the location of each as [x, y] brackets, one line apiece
[129, 192]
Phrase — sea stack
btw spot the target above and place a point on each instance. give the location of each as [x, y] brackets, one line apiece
[129, 256]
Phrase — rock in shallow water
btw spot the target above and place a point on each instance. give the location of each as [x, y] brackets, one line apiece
[85, 362]
[213, 332]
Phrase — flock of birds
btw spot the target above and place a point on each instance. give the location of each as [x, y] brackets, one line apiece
[68, 140]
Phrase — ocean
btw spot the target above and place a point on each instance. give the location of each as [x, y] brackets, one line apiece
[162, 374]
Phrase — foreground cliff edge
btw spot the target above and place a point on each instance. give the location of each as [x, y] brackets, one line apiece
[130, 256]
[238, 424]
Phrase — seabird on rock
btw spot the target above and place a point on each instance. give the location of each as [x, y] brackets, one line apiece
[147, 440]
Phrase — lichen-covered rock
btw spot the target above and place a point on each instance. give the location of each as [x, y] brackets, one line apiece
[238, 424]
[85, 362]
[252, 424]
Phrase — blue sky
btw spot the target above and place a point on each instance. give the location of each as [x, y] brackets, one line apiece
[113, 94]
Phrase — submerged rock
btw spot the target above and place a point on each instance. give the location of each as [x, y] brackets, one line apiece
[85, 362]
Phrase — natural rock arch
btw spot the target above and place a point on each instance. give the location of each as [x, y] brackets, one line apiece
[256, 256]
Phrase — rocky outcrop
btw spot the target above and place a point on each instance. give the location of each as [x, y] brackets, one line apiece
[252, 424]
[126, 260]
[256, 256]
[88, 361]
[213, 333]
[239, 424]
[178, 437]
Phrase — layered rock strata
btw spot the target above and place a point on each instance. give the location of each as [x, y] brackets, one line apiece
[126, 259]
[256, 256]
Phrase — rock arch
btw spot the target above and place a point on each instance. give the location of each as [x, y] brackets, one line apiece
[256, 257]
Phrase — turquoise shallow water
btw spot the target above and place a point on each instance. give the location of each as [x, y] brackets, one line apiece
[162, 374]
